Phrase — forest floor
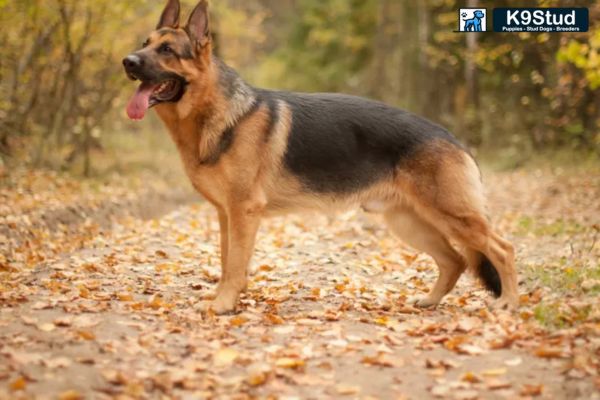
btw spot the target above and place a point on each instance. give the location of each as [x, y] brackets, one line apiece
[99, 301]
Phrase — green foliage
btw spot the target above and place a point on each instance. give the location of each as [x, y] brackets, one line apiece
[327, 46]
[585, 56]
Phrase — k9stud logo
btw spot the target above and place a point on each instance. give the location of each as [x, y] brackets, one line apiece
[472, 20]
[541, 19]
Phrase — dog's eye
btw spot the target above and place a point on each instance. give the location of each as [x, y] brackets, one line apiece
[165, 48]
[146, 43]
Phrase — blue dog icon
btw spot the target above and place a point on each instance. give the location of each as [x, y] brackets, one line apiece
[473, 24]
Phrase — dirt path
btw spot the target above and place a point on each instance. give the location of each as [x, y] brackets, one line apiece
[327, 313]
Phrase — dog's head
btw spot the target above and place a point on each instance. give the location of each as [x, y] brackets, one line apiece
[171, 59]
[478, 14]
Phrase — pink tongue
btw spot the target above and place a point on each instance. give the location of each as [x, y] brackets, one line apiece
[139, 103]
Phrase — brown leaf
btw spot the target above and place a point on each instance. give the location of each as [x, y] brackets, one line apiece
[549, 352]
[70, 395]
[274, 319]
[86, 335]
[63, 322]
[531, 390]
[381, 360]
[238, 320]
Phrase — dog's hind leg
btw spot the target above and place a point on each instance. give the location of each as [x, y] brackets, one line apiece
[447, 192]
[423, 236]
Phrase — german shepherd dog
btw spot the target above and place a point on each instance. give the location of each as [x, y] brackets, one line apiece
[253, 152]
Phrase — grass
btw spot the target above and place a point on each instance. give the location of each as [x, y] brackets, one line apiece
[511, 158]
[527, 225]
[565, 279]
[558, 315]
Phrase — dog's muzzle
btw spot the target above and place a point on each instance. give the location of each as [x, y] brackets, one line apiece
[133, 64]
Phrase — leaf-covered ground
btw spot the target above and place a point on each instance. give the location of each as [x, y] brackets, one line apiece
[92, 312]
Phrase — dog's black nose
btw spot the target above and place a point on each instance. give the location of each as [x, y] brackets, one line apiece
[132, 62]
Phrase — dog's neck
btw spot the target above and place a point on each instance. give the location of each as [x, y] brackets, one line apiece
[238, 95]
[217, 104]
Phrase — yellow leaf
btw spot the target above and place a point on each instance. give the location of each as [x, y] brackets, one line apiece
[47, 327]
[288, 362]
[225, 357]
[125, 296]
[494, 372]
[470, 377]
[256, 379]
[86, 335]
[70, 395]
[84, 292]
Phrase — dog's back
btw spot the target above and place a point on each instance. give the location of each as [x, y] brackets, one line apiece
[339, 143]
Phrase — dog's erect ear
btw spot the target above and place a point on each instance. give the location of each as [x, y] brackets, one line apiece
[170, 15]
[197, 26]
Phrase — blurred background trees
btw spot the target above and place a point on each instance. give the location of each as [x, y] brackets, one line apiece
[64, 90]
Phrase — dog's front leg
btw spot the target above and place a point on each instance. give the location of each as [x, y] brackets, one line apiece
[242, 224]
[224, 235]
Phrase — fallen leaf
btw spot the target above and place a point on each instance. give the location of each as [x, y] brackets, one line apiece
[258, 374]
[549, 352]
[86, 335]
[46, 327]
[288, 362]
[18, 384]
[531, 390]
[124, 296]
[495, 384]
[346, 389]
[225, 357]
[470, 377]
[513, 362]
[440, 391]
[63, 322]
[382, 360]
[70, 395]
[114, 377]
[494, 372]
[238, 320]
[466, 395]
[58, 362]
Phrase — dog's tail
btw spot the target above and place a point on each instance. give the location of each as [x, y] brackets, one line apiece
[487, 273]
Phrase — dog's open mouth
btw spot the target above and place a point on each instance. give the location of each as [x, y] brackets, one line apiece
[149, 94]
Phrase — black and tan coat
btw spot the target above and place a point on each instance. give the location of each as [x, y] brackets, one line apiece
[254, 152]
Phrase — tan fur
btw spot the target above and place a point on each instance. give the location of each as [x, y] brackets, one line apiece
[434, 199]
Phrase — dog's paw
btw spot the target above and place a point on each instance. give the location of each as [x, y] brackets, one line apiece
[505, 303]
[426, 302]
[218, 306]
